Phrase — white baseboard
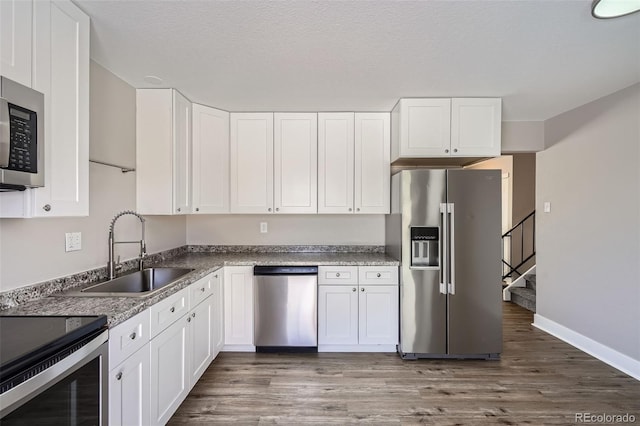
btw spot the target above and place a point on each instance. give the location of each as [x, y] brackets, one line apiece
[357, 348]
[617, 360]
[238, 348]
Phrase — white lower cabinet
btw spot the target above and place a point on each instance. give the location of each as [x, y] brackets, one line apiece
[169, 384]
[238, 309]
[160, 354]
[218, 312]
[129, 390]
[358, 314]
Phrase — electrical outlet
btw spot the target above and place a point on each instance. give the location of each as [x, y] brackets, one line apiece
[73, 241]
[263, 228]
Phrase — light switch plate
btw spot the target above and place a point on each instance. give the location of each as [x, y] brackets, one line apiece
[547, 207]
[263, 227]
[73, 241]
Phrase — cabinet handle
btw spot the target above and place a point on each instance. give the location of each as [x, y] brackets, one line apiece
[350, 209]
[378, 275]
[337, 274]
[178, 208]
[193, 314]
[446, 151]
[119, 376]
[353, 289]
[362, 289]
[46, 207]
[188, 319]
[172, 310]
[197, 209]
[215, 276]
[455, 149]
[269, 209]
[132, 336]
[277, 209]
[202, 289]
[358, 209]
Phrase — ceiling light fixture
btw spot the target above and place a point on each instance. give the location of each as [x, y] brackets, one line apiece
[605, 9]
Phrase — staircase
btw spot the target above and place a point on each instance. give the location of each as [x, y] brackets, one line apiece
[525, 296]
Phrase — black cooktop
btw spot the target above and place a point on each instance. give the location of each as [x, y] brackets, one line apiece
[28, 340]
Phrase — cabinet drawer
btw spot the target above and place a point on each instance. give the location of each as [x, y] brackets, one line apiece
[337, 275]
[128, 337]
[167, 311]
[200, 290]
[378, 275]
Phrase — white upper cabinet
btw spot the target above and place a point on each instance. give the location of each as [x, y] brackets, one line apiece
[163, 152]
[421, 128]
[476, 127]
[458, 127]
[295, 162]
[66, 190]
[251, 167]
[335, 162]
[372, 165]
[210, 160]
[55, 38]
[16, 40]
[353, 163]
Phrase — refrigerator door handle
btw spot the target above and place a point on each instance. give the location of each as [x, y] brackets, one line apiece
[452, 248]
[443, 248]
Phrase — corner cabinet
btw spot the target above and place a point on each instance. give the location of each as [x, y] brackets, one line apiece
[458, 127]
[210, 160]
[163, 152]
[238, 309]
[354, 163]
[56, 37]
[358, 308]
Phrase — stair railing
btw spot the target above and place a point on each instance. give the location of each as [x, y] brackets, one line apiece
[511, 266]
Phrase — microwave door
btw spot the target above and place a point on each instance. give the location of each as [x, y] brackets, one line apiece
[5, 136]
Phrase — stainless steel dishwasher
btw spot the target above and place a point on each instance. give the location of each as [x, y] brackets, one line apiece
[286, 308]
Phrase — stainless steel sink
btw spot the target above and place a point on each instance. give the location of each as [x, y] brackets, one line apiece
[136, 284]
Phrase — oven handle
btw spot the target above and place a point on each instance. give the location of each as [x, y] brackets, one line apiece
[5, 134]
[27, 390]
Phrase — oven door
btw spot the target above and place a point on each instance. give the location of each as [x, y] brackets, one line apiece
[73, 391]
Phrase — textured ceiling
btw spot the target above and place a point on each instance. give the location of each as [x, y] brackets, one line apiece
[542, 57]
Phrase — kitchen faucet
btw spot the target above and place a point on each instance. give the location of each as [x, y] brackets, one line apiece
[112, 265]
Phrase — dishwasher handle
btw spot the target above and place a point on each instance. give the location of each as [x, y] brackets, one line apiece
[285, 270]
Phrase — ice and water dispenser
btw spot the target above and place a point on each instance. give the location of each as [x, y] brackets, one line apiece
[425, 250]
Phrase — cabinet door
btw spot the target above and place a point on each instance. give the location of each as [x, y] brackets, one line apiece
[335, 162]
[425, 128]
[201, 329]
[210, 160]
[129, 390]
[476, 127]
[218, 313]
[296, 163]
[169, 382]
[238, 306]
[251, 166]
[378, 314]
[181, 154]
[16, 40]
[66, 89]
[337, 315]
[372, 164]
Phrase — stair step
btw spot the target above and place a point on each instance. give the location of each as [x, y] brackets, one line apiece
[530, 280]
[524, 297]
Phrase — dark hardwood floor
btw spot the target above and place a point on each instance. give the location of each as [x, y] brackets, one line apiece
[539, 380]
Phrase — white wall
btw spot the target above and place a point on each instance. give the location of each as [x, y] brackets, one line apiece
[588, 262]
[522, 136]
[286, 229]
[32, 250]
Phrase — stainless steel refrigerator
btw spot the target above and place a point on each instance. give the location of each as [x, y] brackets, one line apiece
[445, 227]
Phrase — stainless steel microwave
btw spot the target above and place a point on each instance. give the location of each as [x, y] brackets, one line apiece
[21, 136]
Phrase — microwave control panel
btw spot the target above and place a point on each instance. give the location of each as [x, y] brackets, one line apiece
[23, 149]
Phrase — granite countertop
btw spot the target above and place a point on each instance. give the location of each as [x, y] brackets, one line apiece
[119, 309]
